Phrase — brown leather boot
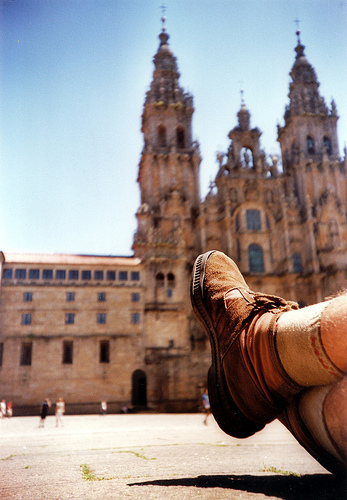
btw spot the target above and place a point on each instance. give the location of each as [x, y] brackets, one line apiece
[247, 385]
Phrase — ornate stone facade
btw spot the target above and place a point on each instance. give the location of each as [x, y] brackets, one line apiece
[285, 227]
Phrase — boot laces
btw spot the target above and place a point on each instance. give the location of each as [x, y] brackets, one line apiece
[264, 302]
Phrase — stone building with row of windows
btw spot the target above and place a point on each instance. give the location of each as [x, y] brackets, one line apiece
[121, 329]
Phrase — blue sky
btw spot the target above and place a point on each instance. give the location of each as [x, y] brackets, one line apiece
[74, 74]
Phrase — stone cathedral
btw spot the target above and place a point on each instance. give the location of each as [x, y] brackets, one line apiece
[121, 329]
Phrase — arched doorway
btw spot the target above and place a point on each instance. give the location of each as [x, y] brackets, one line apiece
[139, 388]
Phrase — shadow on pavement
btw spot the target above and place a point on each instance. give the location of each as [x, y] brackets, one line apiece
[308, 487]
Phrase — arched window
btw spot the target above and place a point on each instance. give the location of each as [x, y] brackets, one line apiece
[159, 279]
[296, 261]
[171, 280]
[237, 223]
[310, 145]
[246, 157]
[180, 139]
[253, 220]
[255, 258]
[233, 195]
[161, 136]
[327, 145]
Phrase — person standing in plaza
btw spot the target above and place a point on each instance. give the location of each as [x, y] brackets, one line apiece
[44, 410]
[59, 412]
[206, 405]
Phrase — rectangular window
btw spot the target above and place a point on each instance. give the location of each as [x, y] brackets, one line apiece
[21, 274]
[7, 274]
[111, 275]
[123, 275]
[135, 297]
[73, 274]
[27, 297]
[26, 353]
[98, 275]
[169, 292]
[1, 352]
[102, 296]
[69, 318]
[135, 318]
[135, 275]
[253, 219]
[67, 352]
[26, 319]
[86, 275]
[34, 274]
[47, 274]
[104, 351]
[70, 296]
[101, 319]
[60, 274]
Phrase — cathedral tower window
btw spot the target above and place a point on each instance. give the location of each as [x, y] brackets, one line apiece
[162, 136]
[26, 350]
[171, 280]
[246, 157]
[253, 220]
[67, 352]
[180, 138]
[104, 351]
[296, 260]
[310, 145]
[327, 145]
[255, 258]
[159, 279]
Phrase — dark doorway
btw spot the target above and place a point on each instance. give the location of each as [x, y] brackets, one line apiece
[139, 388]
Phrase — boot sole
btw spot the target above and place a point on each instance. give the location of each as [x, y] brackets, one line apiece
[225, 411]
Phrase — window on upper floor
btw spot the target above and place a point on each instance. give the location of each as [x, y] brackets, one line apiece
[20, 274]
[70, 296]
[47, 274]
[327, 145]
[123, 275]
[69, 318]
[135, 297]
[101, 319]
[180, 138]
[27, 297]
[159, 279]
[135, 276]
[296, 261]
[104, 351]
[171, 280]
[34, 274]
[310, 145]
[60, 274]
[162, 136]
[98, 275]
[26, 350]
[7, 274]
[86, 275]
[73, 274]
[255, 258]
[102, 296]
[135, 318]
[26, 319]
[111, 275]
[67, 352]
[253, 220]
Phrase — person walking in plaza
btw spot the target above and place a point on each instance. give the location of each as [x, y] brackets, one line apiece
[59, 412]
[271, 360]
[44, 410]
[206, 404]
[3, 408]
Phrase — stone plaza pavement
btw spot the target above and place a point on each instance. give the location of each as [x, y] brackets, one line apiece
[154, 456]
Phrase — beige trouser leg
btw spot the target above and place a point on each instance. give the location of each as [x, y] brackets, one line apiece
[311, 344]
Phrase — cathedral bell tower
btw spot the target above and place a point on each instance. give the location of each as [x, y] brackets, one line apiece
[314, 175]
[169, 166]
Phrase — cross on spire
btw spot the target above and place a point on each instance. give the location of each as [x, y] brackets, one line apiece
[163, 18]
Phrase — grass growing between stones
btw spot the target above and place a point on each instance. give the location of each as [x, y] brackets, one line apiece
[279, 471]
